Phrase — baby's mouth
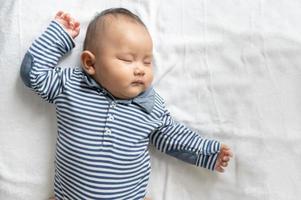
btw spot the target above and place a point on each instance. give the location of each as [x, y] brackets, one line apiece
[138, 82]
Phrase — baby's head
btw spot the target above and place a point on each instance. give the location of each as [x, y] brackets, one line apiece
[118, 53]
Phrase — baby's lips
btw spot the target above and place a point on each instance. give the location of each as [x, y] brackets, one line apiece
[138, 82]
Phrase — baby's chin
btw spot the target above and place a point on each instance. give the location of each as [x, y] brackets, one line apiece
[130, 93]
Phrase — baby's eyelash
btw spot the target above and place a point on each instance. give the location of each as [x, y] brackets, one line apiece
[125, 60]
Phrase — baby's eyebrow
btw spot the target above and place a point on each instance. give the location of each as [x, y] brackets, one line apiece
[149, 55]
[126, 54]
[134, 55]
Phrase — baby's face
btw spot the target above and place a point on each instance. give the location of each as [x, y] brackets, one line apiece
[123, 63]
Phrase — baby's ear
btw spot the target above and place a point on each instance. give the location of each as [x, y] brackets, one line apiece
[88, 61]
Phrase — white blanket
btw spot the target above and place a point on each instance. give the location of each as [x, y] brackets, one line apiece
[230, 69]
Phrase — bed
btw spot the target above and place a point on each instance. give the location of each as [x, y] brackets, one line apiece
[229, 69]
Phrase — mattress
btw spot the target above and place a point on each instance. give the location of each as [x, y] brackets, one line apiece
[229, 69]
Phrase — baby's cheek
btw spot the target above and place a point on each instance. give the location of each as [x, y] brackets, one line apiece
[149, 83]
[150, 78]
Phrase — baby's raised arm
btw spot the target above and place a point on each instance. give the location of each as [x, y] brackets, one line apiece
[39, 69]
[71, 25]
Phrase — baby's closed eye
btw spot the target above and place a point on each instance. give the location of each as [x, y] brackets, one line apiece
[130, 59]
[126, 58]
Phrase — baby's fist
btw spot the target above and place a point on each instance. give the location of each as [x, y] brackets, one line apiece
[223, 158]
[71, 25]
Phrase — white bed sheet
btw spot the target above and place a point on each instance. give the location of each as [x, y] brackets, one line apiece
[230, 69]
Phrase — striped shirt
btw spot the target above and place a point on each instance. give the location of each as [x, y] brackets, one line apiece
[102, 143]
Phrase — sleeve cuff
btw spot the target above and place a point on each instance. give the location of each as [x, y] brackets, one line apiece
[208, 156]
[65, 40]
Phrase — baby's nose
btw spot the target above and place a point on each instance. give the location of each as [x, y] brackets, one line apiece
[139, 71]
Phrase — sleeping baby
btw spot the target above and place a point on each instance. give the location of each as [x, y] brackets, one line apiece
[107, 110]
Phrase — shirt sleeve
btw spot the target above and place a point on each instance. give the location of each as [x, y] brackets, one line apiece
[38, 69]
[177, 140]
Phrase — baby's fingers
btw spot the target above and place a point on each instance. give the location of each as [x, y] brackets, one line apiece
[229, 153]
[226, 159]
[76, 24]
[66, 16]
[224, 164]
[63, 17]
[59, 14]
[219, 169]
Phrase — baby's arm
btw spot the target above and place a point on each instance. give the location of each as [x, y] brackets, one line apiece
[38, 69]
[177, 140]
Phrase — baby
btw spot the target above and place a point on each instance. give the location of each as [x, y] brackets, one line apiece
[107, 110]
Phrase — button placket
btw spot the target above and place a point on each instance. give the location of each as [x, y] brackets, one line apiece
[112, 107]
[109, 121]
[107, 138]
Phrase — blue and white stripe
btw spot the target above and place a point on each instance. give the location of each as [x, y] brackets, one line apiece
[102, 143]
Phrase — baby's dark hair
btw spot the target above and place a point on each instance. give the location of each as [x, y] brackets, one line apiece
[92, 27]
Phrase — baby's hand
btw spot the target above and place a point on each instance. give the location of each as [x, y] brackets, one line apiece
[69, 23]
[223, 158]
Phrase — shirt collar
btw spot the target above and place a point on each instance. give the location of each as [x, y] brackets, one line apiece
[146, 100]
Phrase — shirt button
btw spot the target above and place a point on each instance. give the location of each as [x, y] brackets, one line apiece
[111, 118]
[113, 105]
[57, 69]
[108, 131]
